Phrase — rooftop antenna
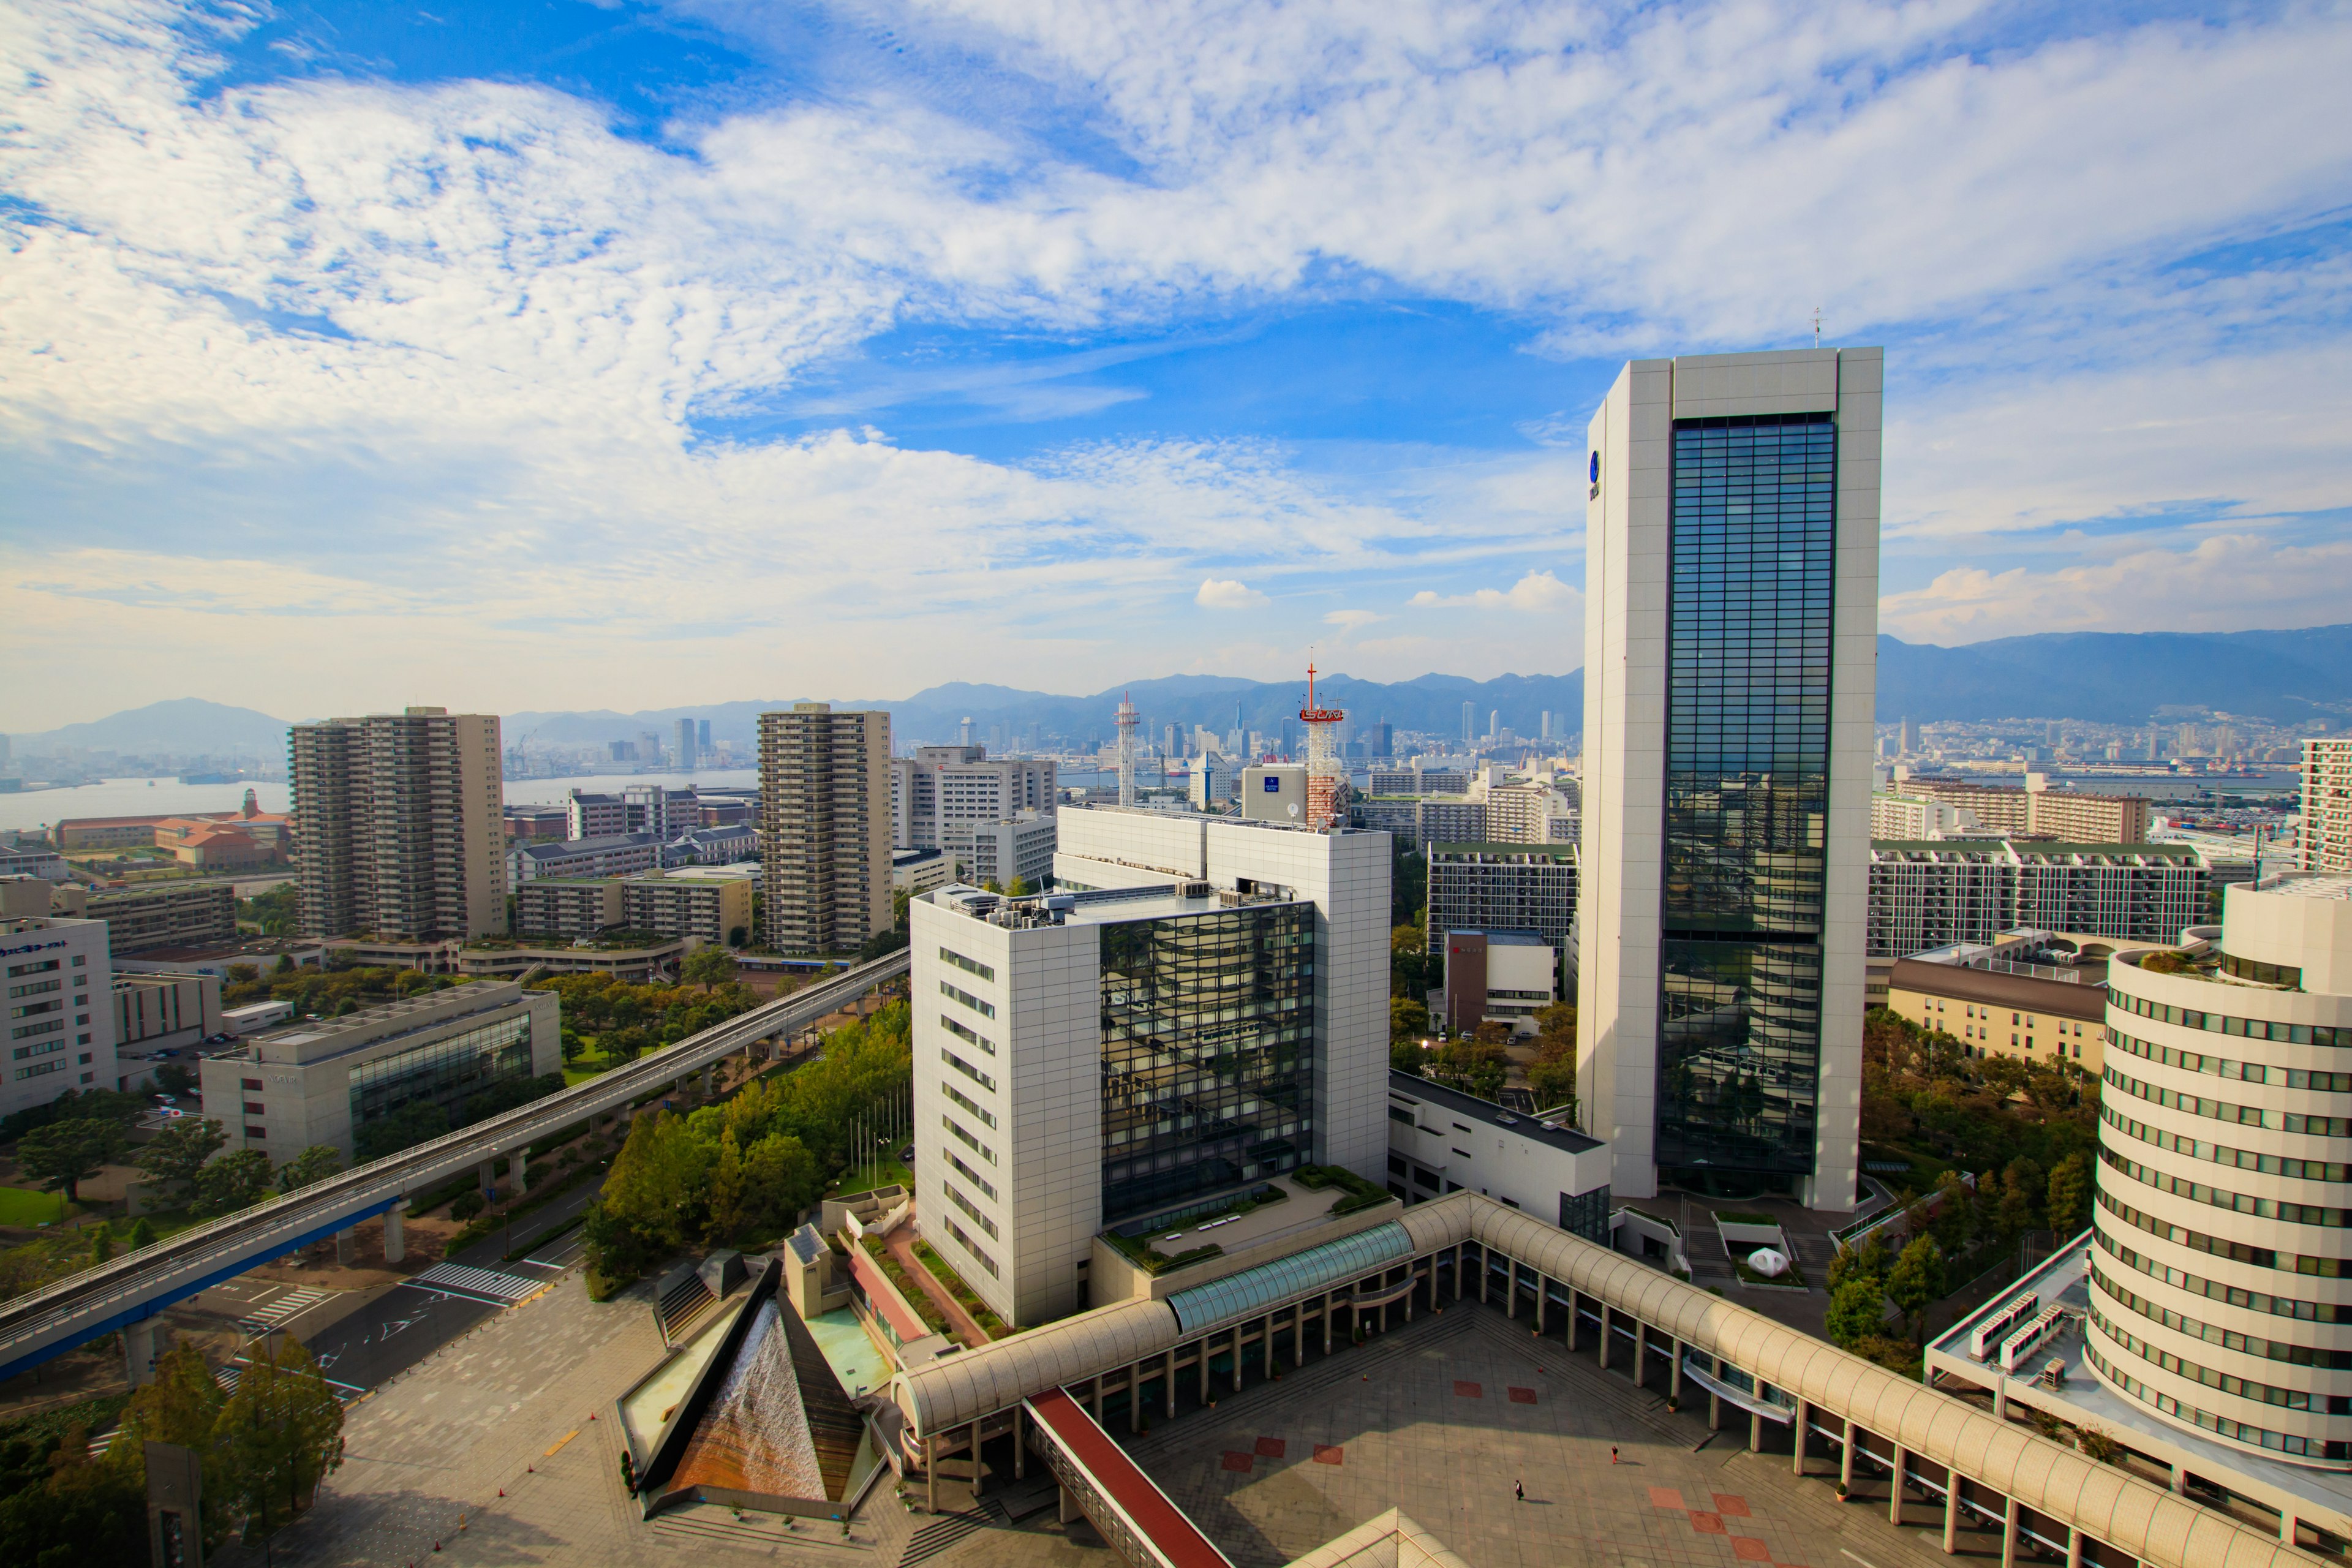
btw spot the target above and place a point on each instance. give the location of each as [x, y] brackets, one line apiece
[1325, 774]
[1817, 326]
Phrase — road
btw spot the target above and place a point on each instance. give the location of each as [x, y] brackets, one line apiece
[364, 1338]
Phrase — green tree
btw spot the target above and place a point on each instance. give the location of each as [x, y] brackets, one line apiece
[2070, 1197]
[234, 1181]
[1857, 1311]
[182, 1406]
[174, 1080]
[1866, 1262]
[572, 1047]
[313, 1164]
[780, 1180]
[653, 1201]
[174, 1158]
[142, 1233]
[84, 1514]
[1406, 1055]
[64, 1154]
[1408, 1018]
[2022, 1187]
[707, 966]
[1017, 889]
[101, 1245]
[1915, 1280]
[726, 1189]
[279, 1434]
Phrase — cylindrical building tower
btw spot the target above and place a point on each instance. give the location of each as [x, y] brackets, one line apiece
[2221, 1273]
[1127, 723]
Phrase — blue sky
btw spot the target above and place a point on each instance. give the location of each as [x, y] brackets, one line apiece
[549, 355]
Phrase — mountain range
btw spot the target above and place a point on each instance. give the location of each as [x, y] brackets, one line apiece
[2292, 678]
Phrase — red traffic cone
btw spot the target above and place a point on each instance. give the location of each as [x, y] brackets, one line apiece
[502, 1491]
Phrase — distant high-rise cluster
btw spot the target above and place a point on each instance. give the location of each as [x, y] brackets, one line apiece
[401, 826]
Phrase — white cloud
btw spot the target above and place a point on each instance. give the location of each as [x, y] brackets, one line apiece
[431, 360]
[1226, 594]
[1536, 592]
[2227, 582]
[1351, 621]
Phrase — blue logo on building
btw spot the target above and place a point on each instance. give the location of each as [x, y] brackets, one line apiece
[1273, 785]
[1596, 468]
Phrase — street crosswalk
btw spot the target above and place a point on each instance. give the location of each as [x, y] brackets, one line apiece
[280, 1310]
[513, 1290]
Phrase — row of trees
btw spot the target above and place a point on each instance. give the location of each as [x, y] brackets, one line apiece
[178, 1163]
[750, 1165]
[628, 1019]
[264, 1450]
[329, 992]
[1922, 1091]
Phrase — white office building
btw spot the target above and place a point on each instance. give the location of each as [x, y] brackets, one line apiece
[60, 1005]
[1208, 1011]
[1019, 846]
[1443, 1141]
[1731, 575]
[940, 786]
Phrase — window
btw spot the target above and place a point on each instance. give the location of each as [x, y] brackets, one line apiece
[975, 1178]
[254, 1108]
[252, 1083]
[965, 1136]
[35, 988]
[970, 965]
[38, 1069]
[42, 967]
[959, 1032]
[1396, 1165]
[1422, 1178]
[985, 1115]
[1459, 1128]
[1398, 1113]
[985, 1009]
[982, 1258]
[253, 1132]
[967, 1070]
[965, 1204]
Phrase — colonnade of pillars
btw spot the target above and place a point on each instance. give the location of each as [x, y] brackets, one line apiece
[1517, 1284]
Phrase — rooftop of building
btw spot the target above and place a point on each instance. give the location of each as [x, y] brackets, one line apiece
[1502, 938]
[312, 1040]
[1107, 906]
[2082, 1400]
[1553, 852]
[2307, 885]
[559, 849]
[2024, 848]
[915, 857]
[1542, 1130]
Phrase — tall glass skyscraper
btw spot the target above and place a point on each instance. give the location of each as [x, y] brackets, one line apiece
[1732, 531]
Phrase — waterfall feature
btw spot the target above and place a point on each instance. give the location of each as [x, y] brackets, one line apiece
[756, 1436]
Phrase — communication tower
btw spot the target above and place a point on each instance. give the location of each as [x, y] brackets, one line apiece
[1127, 723]
[1326, 774]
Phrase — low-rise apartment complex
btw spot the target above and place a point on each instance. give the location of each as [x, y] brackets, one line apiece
[141, 919]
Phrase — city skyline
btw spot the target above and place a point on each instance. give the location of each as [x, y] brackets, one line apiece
[613, 349]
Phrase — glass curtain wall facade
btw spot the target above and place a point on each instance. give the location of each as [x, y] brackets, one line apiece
[445, 1073]
[1208, 1045]
[1751, 569]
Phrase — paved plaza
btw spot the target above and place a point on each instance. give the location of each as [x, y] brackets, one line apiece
[1438, 1418]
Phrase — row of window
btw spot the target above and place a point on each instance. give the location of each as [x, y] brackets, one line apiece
[970, 1037]
[2222, 1111]
[2239, 1431]
[964, 1136]
[2214, 1290]
[2213, 1333]
[974, 1177]
[35, 988]
[2227, 1383]
[970, 1209]
[987, 1116]
[43, 966]
[2221, 1247]
[985, 1009]
[2240, 1203]
[2223, 1067]
[2222, 1023]
[2222, 1154]
[965, 1241]
[967, 1070]
[969, 965]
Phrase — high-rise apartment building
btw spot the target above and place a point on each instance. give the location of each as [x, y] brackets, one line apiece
[2327, 804]
[401, 825]
[824, 827]
[1208, 1009]
[61, 1006]
[689, 753]
[1502, 887]
[1731, 575]
[2217, 1289]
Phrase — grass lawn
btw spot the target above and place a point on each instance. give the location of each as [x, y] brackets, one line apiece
[26, 1207]
[883, 1173]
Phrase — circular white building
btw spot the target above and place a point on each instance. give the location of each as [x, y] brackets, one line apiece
[2221, 1273]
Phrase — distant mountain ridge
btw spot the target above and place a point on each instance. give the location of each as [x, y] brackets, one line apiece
[2292, 678]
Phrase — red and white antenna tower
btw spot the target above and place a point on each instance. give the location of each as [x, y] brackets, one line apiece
[1326, 775]
[1127, 723]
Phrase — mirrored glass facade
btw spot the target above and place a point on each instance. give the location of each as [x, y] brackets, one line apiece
[1207, 1054]
[1752, 562]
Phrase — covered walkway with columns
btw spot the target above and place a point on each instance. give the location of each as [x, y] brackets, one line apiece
[1841, 1419]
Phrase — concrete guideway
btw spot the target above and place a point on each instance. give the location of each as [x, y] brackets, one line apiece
[131, 1289]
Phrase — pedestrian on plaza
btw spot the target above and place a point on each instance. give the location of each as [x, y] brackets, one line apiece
[1613, 1453]
[1519, 1490]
